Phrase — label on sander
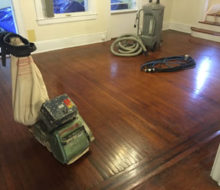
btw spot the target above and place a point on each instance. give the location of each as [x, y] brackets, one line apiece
[57, 111]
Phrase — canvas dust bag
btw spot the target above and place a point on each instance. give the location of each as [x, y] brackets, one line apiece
[215, 173]
[28, 89]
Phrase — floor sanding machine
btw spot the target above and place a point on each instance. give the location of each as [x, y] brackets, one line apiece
[149, 23]
[62, 130]
[57, 123]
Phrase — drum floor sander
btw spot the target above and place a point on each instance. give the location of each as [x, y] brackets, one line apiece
[58, 125]
[149, 23]
[62, 130]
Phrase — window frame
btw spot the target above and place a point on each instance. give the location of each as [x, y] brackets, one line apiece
[89, 14]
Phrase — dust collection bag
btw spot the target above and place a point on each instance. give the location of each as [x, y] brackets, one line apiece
[215, 173]
[28, 89]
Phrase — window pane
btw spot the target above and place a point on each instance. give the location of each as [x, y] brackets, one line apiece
[6, 20]
[69, 6]
[122, 4]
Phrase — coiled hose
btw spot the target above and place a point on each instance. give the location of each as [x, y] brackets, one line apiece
[128, 45]
[169, 64]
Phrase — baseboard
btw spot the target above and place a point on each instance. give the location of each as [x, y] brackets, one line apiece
[73, 41]
[85, 39]
[166, 26]
[180, 27]
[205, 36]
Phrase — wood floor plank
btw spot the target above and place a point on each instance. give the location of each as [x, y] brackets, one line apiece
[142, 122]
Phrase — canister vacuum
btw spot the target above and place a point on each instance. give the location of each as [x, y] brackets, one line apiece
[149, 23]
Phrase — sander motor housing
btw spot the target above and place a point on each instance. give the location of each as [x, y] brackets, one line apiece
[62, 130]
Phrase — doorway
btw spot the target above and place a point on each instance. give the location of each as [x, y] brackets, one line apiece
[7, 17]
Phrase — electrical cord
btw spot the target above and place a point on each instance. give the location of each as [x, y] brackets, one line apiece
[169, 64]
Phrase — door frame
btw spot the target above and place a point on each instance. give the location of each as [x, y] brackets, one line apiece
[18, 18]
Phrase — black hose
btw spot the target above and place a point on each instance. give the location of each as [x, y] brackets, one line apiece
[164, 64]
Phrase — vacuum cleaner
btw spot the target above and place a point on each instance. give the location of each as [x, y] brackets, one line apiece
[149, 32]
[55, 123]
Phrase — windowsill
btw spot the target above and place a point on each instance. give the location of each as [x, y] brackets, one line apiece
[67, 18]
[124, 11]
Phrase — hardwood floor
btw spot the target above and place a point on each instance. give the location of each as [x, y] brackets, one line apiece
[153, 131]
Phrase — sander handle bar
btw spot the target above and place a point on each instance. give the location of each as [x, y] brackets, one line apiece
[7, 48]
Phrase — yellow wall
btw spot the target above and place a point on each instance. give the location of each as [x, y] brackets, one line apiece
[62, 30]
[187, 12]
[212, 2]
[168, 9]
[183, 11]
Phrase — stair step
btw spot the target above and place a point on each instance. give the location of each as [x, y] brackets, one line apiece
[210, 23]
[212, 18]
[205, 31]
[214, 14]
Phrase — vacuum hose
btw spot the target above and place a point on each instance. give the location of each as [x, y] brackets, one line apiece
[128, 45]
[169, 64]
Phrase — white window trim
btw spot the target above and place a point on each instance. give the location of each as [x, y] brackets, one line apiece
[132, 10]
[124, 11]
[66, 17]
[19, 18]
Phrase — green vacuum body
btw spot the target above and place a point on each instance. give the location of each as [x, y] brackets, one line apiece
[67, 140]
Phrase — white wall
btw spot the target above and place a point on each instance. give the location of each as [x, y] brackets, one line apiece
[179, 15]
[212, 2]
[63, 30]
[124, 23]
[61, 35]
[116, 24]
[186, 13]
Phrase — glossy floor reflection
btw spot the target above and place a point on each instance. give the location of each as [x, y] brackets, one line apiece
[152, 130]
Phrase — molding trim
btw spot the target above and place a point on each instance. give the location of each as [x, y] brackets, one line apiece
[73, 41]
[166, 26]
[205, 36]
[67, 18]
[180, 27]
[85, 39]
[18, 18]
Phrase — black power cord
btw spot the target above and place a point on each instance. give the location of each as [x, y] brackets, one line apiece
[169, 64]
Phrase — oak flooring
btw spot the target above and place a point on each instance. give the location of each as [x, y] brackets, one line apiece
[157, 131]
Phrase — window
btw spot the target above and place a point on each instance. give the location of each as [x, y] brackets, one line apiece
[58, 11]
[122, 4]
[7, 20]
[69, 6]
